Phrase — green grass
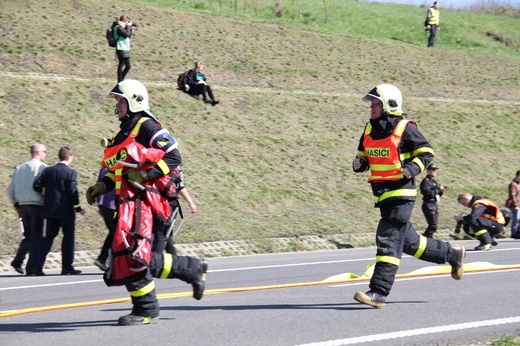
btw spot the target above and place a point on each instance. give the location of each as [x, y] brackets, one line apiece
[273, 159]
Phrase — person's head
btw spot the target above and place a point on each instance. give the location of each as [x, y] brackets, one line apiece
[518, 174]
[464, 198]
[386, 99]
[65, 154]
[432, 170]
[38, 151]
[199, 65]
[435, 4]
[131, 96]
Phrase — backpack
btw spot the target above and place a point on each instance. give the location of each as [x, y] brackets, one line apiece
[182, 82]
[111, 36]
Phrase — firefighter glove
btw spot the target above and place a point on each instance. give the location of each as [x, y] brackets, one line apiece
[137, 176]
[92, 192]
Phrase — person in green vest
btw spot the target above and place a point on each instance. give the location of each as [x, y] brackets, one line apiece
[433, 23]
[123, 31]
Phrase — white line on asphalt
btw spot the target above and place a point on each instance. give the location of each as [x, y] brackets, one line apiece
[415, 332]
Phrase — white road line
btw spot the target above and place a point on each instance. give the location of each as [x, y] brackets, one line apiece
[415, 332]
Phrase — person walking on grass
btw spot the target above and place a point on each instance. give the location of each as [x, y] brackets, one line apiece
[433, 23]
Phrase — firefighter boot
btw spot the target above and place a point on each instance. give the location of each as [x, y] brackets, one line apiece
[371, 298]
[135, 320]
[458, 252]
[191, 270]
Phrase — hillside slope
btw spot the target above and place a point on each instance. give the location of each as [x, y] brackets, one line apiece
[273, 159]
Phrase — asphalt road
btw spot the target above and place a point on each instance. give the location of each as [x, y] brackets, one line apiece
[277, 299]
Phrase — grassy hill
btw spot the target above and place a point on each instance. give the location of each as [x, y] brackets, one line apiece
[273, 159]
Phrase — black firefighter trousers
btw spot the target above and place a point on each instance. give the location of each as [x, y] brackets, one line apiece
[395, 235]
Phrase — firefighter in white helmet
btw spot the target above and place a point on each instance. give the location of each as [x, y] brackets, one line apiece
[395, 152]
[144, 161]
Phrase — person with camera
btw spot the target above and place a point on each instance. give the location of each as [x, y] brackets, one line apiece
[393, 149]
[123, 31]
[485, 221]
[432, 193]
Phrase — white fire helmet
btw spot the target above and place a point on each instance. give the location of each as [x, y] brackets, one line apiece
[134, 92]
[389, 95]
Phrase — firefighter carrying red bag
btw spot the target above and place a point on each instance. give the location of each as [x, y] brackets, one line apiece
[144, 162]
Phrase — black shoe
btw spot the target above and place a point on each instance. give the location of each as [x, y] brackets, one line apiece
[135, 320]
[70, 271]
[214, 102]
[207, 101]
[371, 298]
[494, 242]
[200, 283]
[427, 235]
[34, 272]
[18, 269]
[101, 265]
[456, 261]
[483, 246]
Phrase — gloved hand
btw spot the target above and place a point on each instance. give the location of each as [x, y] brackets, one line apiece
[92, 192]
[356, 163]
[137, 176]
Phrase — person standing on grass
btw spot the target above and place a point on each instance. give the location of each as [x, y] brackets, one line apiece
[28, 204]
[433, 23]
[395, 152]
[123, 31]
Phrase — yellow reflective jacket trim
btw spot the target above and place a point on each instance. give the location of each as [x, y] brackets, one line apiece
[143, 291]
[388, 259]
[498, 217]
[168, 264]
[163, 167]
[387, 166]
[422, 246]
[482, 231]
[111, 176]
[396, 193]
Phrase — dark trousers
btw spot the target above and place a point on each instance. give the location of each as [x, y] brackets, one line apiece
[433, 33]
[201, 89]
[484, 229]
[431, 213]
[32, 220]
[124, 65]
[395, 235]
[110, 223]
[50, 230]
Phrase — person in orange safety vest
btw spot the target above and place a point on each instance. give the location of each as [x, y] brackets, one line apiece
[395, 152]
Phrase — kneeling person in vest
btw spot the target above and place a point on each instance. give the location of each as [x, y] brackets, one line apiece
[485, 221]
[143, 159]
[395, 151]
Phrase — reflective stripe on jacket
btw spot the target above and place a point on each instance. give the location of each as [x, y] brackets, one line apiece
[492, 211]
[383, 155]
[118, 152]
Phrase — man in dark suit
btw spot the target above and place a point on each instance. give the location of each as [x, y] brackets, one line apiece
[60, 205]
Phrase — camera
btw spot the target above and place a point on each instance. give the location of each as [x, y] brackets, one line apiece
[134, 24]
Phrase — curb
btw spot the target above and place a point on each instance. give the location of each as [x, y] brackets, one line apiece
[233, 248]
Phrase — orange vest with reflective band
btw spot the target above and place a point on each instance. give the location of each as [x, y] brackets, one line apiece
[383, 154]
[118, 152]
[492, 212]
